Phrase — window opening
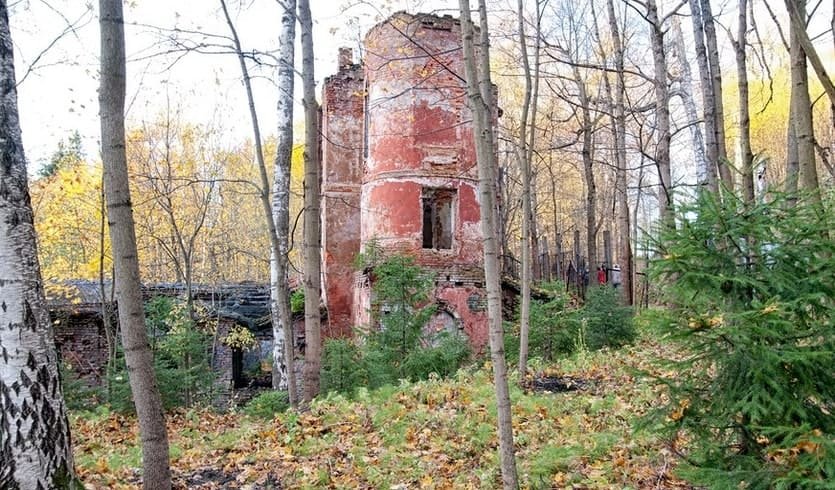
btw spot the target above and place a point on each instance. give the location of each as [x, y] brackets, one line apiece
[437, 218]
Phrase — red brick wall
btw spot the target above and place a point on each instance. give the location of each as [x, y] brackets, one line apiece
[415, 130]
[342, 138]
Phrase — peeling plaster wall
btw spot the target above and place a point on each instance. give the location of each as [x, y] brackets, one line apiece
[342, 142]
[415, 134]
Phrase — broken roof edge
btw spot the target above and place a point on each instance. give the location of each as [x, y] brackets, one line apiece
[421, 17]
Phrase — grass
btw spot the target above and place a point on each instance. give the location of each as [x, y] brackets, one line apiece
[430, 434]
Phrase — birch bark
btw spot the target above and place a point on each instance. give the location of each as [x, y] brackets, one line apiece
[281, 201]
[35, 446]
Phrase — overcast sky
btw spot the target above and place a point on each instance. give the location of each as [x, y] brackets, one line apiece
[58, 79]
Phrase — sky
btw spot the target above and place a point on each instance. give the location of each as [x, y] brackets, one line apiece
[57, 66]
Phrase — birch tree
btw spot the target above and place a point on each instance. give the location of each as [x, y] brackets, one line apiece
[708, 106]
[279, 293]
[481, 103]
[35, 446]
[138, 356]
[312, 227]
[684, 83]
[281, 202]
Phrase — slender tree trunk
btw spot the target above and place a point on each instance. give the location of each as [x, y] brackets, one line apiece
[708, 105]
[525, 168]
[797, 14]
[621, 181]
[106, 318]
[480, 96]
[281, 359]
[801, 106]
[138, 356]
[662, 114]
[312, 228]
[747, 163]
[685, 92]
[281, 198]
[719, 105]
[792, 163]
[35, 446]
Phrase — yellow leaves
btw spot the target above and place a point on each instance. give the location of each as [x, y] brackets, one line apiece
[678, 413]
[715, 321]
[68, 222]
[436, 434]
[559, 479]
[706, 322]
[770, 308]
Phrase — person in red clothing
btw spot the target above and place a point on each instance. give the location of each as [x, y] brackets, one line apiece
[601, 276]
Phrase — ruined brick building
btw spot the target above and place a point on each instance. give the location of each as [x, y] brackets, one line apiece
[399, 170]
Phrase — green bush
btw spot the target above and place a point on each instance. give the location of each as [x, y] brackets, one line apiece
[558, 329]
[267, 405]
[78, 395]
[608, 323]
[401, 291]
[181, 347]
[444, 358]
[297, 301]
[553, 329]
[395, 348]
[752, 295]
[342, 366]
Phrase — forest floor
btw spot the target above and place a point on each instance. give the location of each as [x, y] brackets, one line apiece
[432, 434]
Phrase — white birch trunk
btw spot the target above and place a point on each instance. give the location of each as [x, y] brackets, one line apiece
[282, 322]
[280, 376]
[685, 93]
[708, 107]
[35, 446]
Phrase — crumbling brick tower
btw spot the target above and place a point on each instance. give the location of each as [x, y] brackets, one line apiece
[400, 170]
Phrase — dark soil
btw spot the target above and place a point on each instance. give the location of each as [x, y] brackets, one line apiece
[546, 384]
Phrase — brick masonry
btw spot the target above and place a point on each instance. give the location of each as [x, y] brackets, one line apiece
[397, 131]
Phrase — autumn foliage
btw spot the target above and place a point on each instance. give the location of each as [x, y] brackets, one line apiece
[431, 434]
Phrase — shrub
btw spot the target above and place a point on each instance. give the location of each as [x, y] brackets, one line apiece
[297, 301]
[395, 348]
[267, 405]
[557, 328]
[342, 366]
[752, 291]
[608, 323]
[553, 329]
[78, 395]
[444, 358]
[401, 291]
[181, 347]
